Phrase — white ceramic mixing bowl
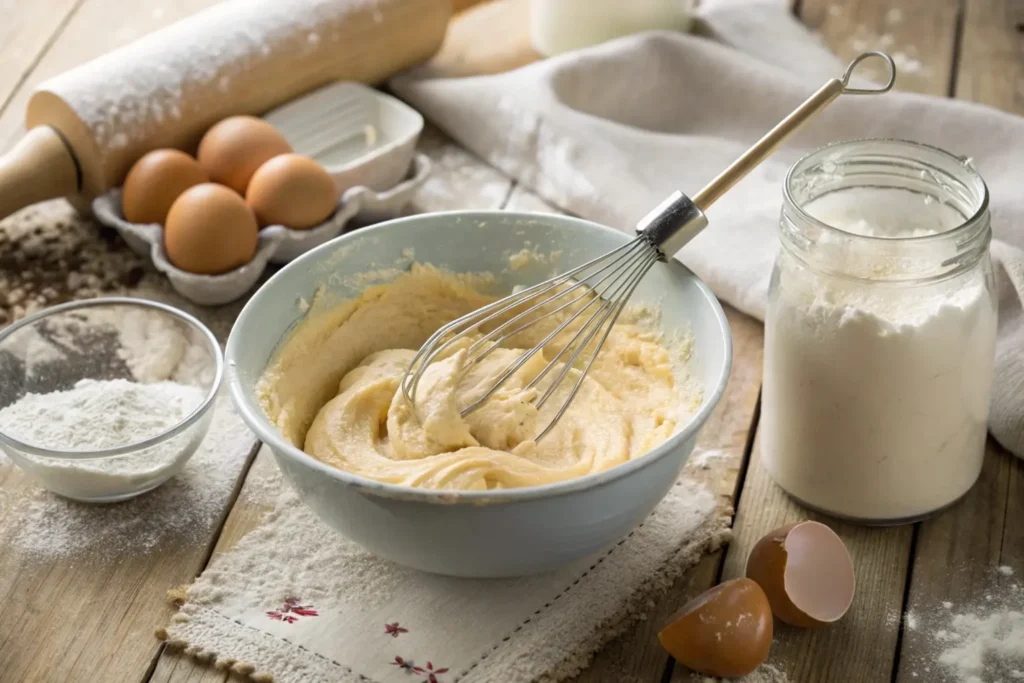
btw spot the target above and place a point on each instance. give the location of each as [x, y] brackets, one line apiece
[486, 533]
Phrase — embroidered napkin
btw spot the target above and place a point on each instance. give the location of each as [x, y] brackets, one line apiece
[608, 132]
[294, 602]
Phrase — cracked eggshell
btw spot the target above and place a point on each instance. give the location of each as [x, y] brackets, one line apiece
[806, 572]
[726, 631]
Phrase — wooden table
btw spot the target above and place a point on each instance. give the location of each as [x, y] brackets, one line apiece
[95, 622]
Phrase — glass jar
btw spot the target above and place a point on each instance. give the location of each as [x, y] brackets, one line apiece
[880, 332]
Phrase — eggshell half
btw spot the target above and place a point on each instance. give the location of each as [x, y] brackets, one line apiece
[806, 572]
[726, 631]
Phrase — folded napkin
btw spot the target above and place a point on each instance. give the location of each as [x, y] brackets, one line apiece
[608, 132]
[296, 603]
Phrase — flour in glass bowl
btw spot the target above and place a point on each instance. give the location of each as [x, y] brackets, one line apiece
[102, 414]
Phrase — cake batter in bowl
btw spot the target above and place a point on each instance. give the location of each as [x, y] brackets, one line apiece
[472, 496]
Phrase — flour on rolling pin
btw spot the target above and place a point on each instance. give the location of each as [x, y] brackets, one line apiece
[239, 56]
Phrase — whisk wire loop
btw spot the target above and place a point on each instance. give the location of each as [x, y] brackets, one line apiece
[590, 292]
[619, 306]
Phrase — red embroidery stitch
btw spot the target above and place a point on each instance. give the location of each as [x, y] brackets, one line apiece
[290, 608]
[395, 629]
[405, 664]
[433, 673]
[409, 667]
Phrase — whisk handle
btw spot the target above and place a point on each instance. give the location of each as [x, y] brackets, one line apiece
[679, 219]
[798, 117]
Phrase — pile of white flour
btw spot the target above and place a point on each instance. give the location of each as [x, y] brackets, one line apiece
[980, 641]
[102, 414]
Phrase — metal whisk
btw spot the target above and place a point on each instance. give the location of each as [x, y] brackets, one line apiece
[604, 285]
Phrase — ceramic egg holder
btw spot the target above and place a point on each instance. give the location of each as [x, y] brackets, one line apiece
[365, 139]
[277, 243]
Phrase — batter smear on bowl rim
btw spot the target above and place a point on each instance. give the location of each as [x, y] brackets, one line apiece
[333, 390]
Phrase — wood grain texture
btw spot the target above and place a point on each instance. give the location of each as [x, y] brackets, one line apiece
[255, 499]
[919, 34]
[488, 38]
[71, 619]
[957, 556]
[862, 647]
[991, 68]
[25, 32]
[89, 33]
[84, 616]
[958, 552]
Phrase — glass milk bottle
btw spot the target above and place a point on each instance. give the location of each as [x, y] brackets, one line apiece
[880, 332]
[558, 26]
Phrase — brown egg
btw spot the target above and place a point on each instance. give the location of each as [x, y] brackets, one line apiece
[806, 572]
[726, 631]
[210, 230]
[233, 149]
[155, 181]
[292, 190]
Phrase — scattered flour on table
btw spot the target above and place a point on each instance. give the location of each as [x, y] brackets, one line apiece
[458, 177]
[263, 483]
[702, 458]
[766, 673]
[981, 641]
[184, 510]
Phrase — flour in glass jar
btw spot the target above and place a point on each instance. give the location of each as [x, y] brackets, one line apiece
[876, 398]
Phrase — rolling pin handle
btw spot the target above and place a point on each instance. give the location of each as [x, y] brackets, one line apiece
[41, 166]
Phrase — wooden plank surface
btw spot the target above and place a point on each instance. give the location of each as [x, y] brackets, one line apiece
[718, 461]
[958, 554]
[116, 643]
[862, 648]
[81, 616]
[96, 27]
[991, 68]
[919, 34]
[489, 38]
[27, 29]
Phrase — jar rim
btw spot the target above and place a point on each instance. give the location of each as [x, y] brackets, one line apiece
[804, 215]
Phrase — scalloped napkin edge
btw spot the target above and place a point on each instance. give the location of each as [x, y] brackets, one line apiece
[294, 601]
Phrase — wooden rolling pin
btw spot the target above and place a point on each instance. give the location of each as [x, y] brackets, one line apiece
[88, 125]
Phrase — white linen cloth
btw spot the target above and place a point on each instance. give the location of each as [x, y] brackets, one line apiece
[296, 603]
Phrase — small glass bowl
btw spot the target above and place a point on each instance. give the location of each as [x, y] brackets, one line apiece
[107, 339]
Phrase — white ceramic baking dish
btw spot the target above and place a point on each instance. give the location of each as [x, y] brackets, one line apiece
[509, 532]
[360, 135]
